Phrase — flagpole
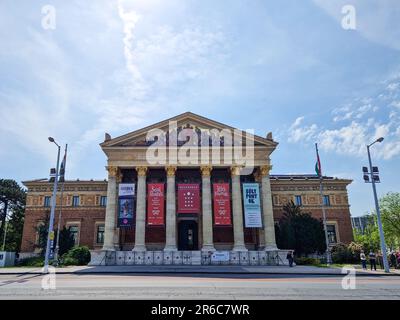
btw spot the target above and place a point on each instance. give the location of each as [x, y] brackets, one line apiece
[328, 253]
[61, 204]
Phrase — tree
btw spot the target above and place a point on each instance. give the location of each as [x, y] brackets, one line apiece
[67, 241]
[300, 231]
[12, 206]
[390, 211]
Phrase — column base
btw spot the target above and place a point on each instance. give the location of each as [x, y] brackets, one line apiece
[139, 248]
[240, 247]
[268, 248]
[109, 248]
[208, 248]
[170, 248]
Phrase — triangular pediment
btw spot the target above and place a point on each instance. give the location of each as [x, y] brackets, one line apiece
[187, 120]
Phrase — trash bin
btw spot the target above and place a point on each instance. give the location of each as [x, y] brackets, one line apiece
[7, 259]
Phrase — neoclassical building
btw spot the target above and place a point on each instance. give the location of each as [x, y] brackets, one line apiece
[187, 190]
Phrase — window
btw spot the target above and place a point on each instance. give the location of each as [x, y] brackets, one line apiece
[100, 234]
[47, 200]
[75, 201]
[103, 201]
[327, 201]
[331, 230]
[75, 233]
[298, 201]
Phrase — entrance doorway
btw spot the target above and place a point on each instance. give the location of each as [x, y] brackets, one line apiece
[188, 235]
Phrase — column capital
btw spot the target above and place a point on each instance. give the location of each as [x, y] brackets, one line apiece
[264, 170]
[170, 171]
[112, 171]
[141, 171]
[235, 170]
[206, 171]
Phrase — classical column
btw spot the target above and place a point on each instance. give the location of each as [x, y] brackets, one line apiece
[111, 209]
[170, 241]
[238, 233]
[207, 223]
[268, 215]
[140, 210]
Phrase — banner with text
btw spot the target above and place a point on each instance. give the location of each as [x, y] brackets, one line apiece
[126, 189]
[251, 204]
[155, 204]
[125, 212]
[222, 204]
[188, 198]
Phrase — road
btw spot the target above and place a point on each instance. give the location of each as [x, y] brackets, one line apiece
[209, 286]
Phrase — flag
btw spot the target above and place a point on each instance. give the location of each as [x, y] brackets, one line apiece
[63, 165]
[318, 169]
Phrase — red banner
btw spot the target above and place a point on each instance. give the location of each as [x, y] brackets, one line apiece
[155, 204]
[188, 198]
[222, 204]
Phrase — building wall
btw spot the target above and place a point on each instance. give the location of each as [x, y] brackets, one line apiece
[90, 213]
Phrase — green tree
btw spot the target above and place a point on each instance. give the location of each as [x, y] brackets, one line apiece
[300, 231]
[390, 212]
[12, 206]
[67, 241]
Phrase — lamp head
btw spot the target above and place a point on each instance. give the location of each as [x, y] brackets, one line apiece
[51, 139]
[380, 139]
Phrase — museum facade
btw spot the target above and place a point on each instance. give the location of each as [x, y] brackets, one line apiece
[187, 190]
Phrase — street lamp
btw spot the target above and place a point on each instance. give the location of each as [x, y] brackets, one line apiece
[50, 233]
[378, 213]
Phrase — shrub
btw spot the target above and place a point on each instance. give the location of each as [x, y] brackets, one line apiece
[69, 261]
[81, 255]
[31, 262]
[302, 261]
[342, 253]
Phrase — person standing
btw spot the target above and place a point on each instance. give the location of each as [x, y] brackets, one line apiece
[289, 257]
[372, 260]
[363, 259]
[392, 258]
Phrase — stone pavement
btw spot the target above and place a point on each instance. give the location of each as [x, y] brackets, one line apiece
[297, 270]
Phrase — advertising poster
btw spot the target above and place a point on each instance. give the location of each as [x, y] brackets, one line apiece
[188, 198]
[126, 190]
[155, 204]
[125, 212]
[251, 204]
[222, 204]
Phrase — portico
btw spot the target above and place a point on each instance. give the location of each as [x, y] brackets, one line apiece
[192, 214]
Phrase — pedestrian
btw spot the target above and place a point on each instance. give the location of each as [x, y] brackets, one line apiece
[363, 259]
[380, 259]
[289, 257]
[372, 260]
[392, 258]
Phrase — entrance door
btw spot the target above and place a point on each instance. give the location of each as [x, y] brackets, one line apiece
[187, 235]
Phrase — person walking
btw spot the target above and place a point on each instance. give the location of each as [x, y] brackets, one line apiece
[392, 258]
[372, 260]
[289, 257]
[363, 259]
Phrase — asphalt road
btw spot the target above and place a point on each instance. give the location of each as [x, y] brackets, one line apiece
[134, 286]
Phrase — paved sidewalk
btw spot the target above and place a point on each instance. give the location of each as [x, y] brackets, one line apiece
[170, 269]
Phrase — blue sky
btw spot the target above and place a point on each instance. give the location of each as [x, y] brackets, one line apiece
[282, 66]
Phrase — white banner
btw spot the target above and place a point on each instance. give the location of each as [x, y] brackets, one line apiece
[126, 190]
[220, 256]
[251, 204]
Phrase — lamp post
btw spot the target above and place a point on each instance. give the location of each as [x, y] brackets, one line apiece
[50, 233]
[378, 213]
